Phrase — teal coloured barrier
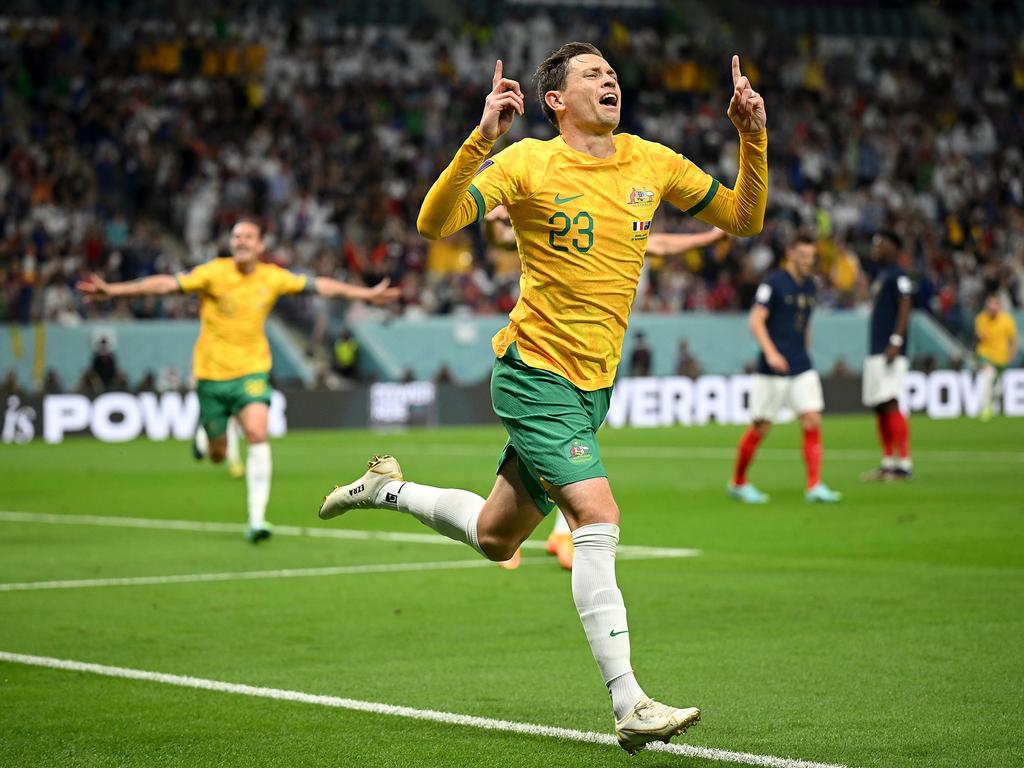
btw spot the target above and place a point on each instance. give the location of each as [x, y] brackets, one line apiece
[721, 343]
[139, 347]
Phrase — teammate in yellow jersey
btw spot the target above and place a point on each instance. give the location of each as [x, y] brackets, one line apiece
[581, 206]
[998, 345]
[231, 360]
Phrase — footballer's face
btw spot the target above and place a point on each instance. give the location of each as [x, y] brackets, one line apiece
[246, 243]
[993, 304]
[882, 249]
[591, 97]
[801, 256]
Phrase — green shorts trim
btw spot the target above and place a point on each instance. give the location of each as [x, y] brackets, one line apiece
[1000, 369]
[220, 400]
[551, 425]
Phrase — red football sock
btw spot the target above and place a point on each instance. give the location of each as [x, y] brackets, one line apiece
[812, 455]
[745, 454]
[900, 431]
[884, 432]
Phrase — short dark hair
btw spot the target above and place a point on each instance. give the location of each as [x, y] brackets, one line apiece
[553, 71]
[250, 220]
[802, 239]
[892, 237]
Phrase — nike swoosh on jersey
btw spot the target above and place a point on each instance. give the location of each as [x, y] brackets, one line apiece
[563, 200]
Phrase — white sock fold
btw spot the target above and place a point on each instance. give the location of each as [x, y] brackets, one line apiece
[602, 611]
[257, 482]
[232, 435]
[202, 442]
[449, 511]
[988, 387]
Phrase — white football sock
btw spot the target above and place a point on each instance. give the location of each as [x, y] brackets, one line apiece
[988, 387]
[202, 442]
[232, 435]
[257, 482]
[561, 524]
[449, 511]
[599, 603]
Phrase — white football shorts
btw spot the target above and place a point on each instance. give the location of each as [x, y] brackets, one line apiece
[802, 393]
[883, 381]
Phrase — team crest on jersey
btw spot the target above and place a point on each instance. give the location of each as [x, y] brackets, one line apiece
[641, 197]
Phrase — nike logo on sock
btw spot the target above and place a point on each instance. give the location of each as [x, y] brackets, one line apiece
[613, 633]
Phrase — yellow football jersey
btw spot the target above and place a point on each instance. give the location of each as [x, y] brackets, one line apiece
[234, 308]
[582, 224]
[995, 336]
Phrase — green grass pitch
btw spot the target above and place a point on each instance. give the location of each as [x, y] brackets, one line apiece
[884, 631]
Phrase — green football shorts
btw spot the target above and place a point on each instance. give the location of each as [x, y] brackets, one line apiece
[551, 425]
[220, 400]
[1000, 369]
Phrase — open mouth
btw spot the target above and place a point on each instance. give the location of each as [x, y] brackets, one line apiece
[609, 100]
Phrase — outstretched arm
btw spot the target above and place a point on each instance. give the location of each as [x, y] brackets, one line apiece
[449, 206]
[96, 289]
[740, 211]
[667, 244]
[497, 231]
[330, 288]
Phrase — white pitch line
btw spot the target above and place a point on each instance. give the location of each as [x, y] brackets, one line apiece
[283, 573]
[774, 454]
[447, 718]
[628, 551]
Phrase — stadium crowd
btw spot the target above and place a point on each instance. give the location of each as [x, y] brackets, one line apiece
[130, 149]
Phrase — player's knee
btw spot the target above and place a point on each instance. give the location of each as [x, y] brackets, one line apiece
[810, 420]
[217, 454]
[762, 427]
[254, 437]
[497, 548]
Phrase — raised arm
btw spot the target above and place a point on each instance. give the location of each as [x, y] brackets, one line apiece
[669, 244]
[740, 211]
[96, 289]
[449, 206]
[330, 288]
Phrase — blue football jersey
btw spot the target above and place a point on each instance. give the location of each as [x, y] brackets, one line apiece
[889, 286]
[789, 306]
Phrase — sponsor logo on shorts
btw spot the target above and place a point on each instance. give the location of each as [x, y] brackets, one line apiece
[579, 453]
[255, 387]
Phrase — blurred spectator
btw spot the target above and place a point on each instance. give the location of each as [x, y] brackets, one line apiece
[330, 132]
[10, 386]
[686, 363]
[147, 383]
[641, 357]
[104, 364]
[346, 355]
[51, 383]
[169, 380]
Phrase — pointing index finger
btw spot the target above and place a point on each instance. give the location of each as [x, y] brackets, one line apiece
[497, 74]
[736, 75]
